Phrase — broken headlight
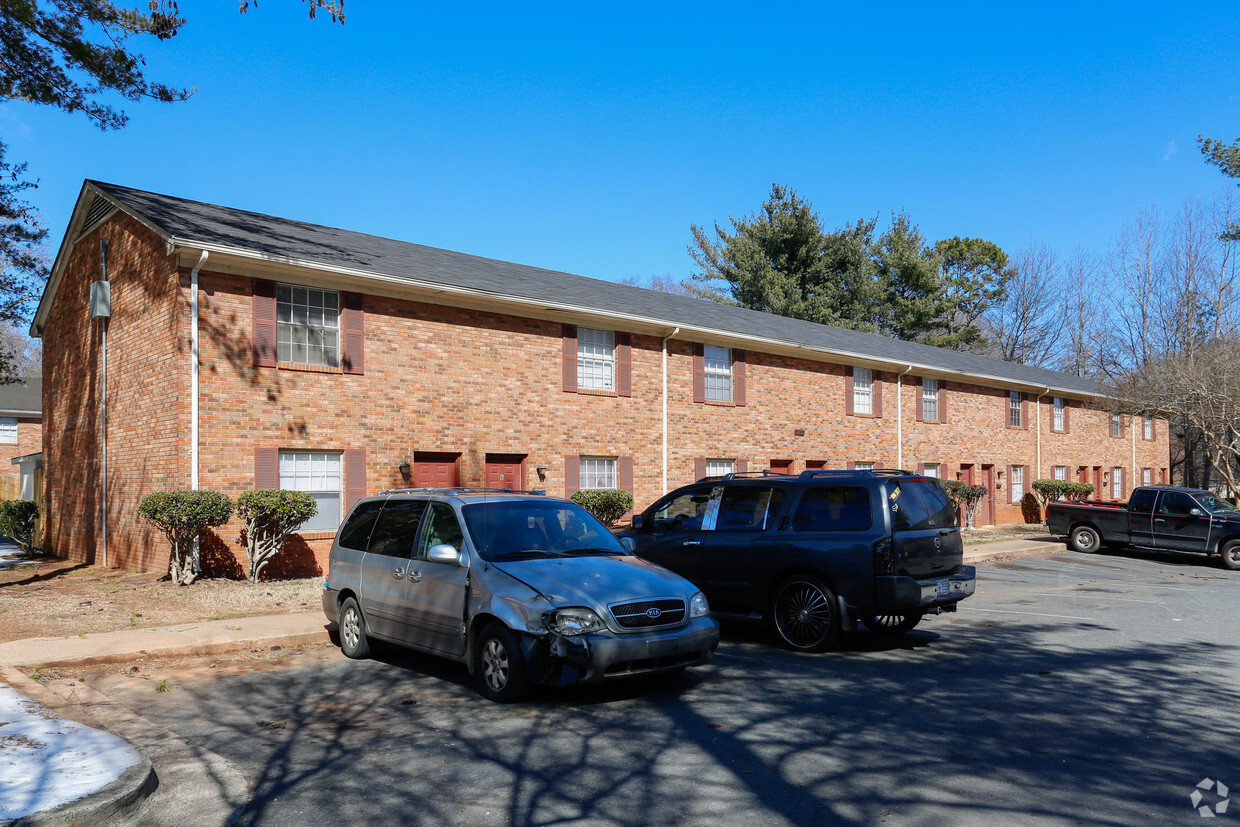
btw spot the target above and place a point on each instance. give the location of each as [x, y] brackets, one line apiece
[575, 621]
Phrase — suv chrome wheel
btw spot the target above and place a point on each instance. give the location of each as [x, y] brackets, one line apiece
[804, 614]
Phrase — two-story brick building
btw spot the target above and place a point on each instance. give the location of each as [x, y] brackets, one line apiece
[245, 350]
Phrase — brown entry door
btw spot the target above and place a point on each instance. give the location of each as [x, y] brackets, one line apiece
[986, 508]
[436, 470]
[781, 466]
[506, 471]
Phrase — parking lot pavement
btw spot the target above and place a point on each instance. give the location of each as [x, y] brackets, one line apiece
[1070, 689]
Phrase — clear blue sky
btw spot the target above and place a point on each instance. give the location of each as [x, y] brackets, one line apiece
[588, 138]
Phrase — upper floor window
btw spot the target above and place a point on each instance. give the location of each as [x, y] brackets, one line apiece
[718, 364]
[8, 429]
[1147, 423]
[720, 467]
[930, 399]
[1016, 410]
[1057, 415]
[598, 472]
[1116, 425]
[307, 326]
[863, 391]
[1061, 472]
[596, 359]
[318, 473]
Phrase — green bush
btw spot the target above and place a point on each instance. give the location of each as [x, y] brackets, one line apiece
[606, 504]
[17, 519]
[183, 517]
[270, 516]
[964, 498]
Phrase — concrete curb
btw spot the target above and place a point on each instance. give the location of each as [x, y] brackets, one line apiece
[1012, 550]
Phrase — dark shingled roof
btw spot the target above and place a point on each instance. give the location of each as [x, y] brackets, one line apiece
[21, 395]
[194, 221]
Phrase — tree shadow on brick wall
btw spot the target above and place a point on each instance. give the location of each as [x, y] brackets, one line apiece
[296, 559]
[218, 559]
[1030, 509]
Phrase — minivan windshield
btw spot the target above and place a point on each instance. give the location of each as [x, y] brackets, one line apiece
[917, 504]
[525, 529]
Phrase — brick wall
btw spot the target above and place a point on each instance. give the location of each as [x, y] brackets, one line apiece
[29, 441]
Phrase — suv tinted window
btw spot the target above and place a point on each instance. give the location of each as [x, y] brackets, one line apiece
[682, 513]
[833, 509]
[355, 533]
[748, 508]
[918, 504]
[441, 527]
[397, 528]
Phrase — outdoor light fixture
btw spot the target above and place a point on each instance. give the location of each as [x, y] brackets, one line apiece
[404, 470]
[542, 473]
[998, 480]
[798, 432]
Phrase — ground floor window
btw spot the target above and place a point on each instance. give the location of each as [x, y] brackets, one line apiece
[1018, 483]
[598, 472]
[1117, 483]
[318, 473]
[720, 467]
[1147, 476]
[8, 429]
[930, 469]
[1061, 472]
[863, 466]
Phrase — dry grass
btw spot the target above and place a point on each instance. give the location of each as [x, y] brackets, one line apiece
[974, 536]
[53, 597]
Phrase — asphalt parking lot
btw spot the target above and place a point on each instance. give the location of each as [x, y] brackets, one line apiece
[1070, 689]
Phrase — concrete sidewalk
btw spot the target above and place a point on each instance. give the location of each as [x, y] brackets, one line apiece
[203, 786]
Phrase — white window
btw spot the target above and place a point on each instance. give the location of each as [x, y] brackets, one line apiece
[863, 391]
[718, 373]
[1061, 472]
[863, 466]
[1015, 410]
[1148, 424]
[1116, 427]
[1117, 483]
[318, 474]
[720, 467]
[931, 469]
[930, 399]
[1018, 483]
[598, 472]
[8, 429]
[1147, 476]
[1057, 417]
[307, 326]
[596, 359]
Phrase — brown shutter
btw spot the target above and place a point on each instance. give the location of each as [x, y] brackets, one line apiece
[878, 392]
[569, 357]
[942, 401]
[851, 465]
[624, 473]
[738, 378]
[353, 332]
[742, 466]
[1153, 428]
[266, 468]
[848, 391]
[1009, 483]
[264, 323]
[1024, 411]
[354, 476]
[921, 469]
[572, 473]
[918, 401]
[1067, 420]
[624, 364]
[699, 469]
[699, 373]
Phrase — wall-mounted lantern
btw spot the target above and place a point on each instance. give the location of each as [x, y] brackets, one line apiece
[542, 473]
[403, 468]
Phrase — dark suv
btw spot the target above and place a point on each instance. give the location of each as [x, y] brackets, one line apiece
[813, 554]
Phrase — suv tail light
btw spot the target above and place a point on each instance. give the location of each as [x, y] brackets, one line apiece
[884, 559]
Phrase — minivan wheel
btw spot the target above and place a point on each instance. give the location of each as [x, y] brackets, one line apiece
[891, 625]
[353, 640]
[803, 612]
[1085, 539]
[499, 666]
[1230, 555]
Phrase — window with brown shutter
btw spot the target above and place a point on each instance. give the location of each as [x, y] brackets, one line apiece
[572, 472]
[266, 469]
[848, 391]
[354, 476]
[699, 468]
[699, 372]
[264, 320]
[878, 393]
[569, 357]
[353, 334]
[738, 378]
[624, 364]
[920, 401]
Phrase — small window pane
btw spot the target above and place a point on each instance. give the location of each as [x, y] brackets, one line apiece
[720, 467]
[1117, 483]
[718, 362]
[1061, 472]
[318, 474]
[863, 391]
[1015, 410]
[1149, 426]
[931, 470]
[596, 359]
[1115, 425]
[8, 429]
[1018, 483]
[1057, 421]
[307, 325]
[863, 466]
[597, 472]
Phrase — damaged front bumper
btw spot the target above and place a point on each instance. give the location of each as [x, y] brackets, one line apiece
[562, 659]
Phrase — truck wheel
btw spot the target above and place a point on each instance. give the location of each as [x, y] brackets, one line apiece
[1085, 539]
[1230, 555]
[891, 625]
[804, 614]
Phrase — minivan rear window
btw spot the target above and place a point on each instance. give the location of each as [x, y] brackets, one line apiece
[834, 508]
[918, 504]
[355, 533]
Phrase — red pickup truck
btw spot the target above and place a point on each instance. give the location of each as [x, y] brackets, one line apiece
[1157, 517]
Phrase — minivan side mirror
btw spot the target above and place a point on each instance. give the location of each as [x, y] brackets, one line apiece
[445, 553]
[637, 523]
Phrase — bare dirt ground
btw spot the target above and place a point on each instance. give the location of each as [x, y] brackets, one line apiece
[46, 597]
[973, 536]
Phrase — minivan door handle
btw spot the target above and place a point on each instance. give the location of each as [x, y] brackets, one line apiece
[398, 573]
[415, 577]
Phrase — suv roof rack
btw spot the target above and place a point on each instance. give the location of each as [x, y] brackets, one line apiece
[465, 489]
[836, 472]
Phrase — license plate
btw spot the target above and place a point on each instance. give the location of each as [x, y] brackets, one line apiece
[943, 587]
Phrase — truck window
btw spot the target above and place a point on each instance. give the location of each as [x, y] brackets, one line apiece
[1176, 503]
[1142, 502]
[833, 509]
[918, 504]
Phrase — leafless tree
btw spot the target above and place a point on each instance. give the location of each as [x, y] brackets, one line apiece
[1027, 326]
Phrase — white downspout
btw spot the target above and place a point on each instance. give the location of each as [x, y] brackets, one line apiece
[1037, 414]
[193, 371]
[663, 487]
[1133, 483]
[900, 417]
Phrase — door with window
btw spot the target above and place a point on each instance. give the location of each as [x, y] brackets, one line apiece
[385, 568]
[505, 471]
[1141, 516]
[437, 591]
[1180, 522]
[676, 528]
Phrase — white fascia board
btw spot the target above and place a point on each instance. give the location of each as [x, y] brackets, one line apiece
[764, 343]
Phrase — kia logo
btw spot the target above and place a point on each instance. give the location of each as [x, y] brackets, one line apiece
[654, 613]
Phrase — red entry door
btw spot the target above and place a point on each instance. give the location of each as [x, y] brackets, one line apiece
[986, 508]
[506, 471]
[781, 466]
[436, 470]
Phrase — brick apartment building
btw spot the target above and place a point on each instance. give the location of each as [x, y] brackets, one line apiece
[21, 436]
[344, 364]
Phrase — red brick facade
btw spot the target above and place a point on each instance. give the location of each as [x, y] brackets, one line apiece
[466, 383]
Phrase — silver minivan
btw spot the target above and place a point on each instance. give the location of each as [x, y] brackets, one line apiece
[523, 588]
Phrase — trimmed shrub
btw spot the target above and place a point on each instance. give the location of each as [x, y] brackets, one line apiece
[606, 504]
[17, 519]
[270, 516]
[184, 516]
[964, 498]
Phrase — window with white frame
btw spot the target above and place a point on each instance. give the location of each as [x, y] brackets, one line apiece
[318, 474]
[1057, 415]
[1117, 483]
[8, 429]
[720, 467]
[718, 361]
[1061, 472]
[307, 326]
[931, 469]
[1018, 483]
[597, 472]
[1116, 425]
[1015, 410]
[863, 466]
[863, 391]
[1147, 476]
[930, 399]
[1147, 422]
[596, 359]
